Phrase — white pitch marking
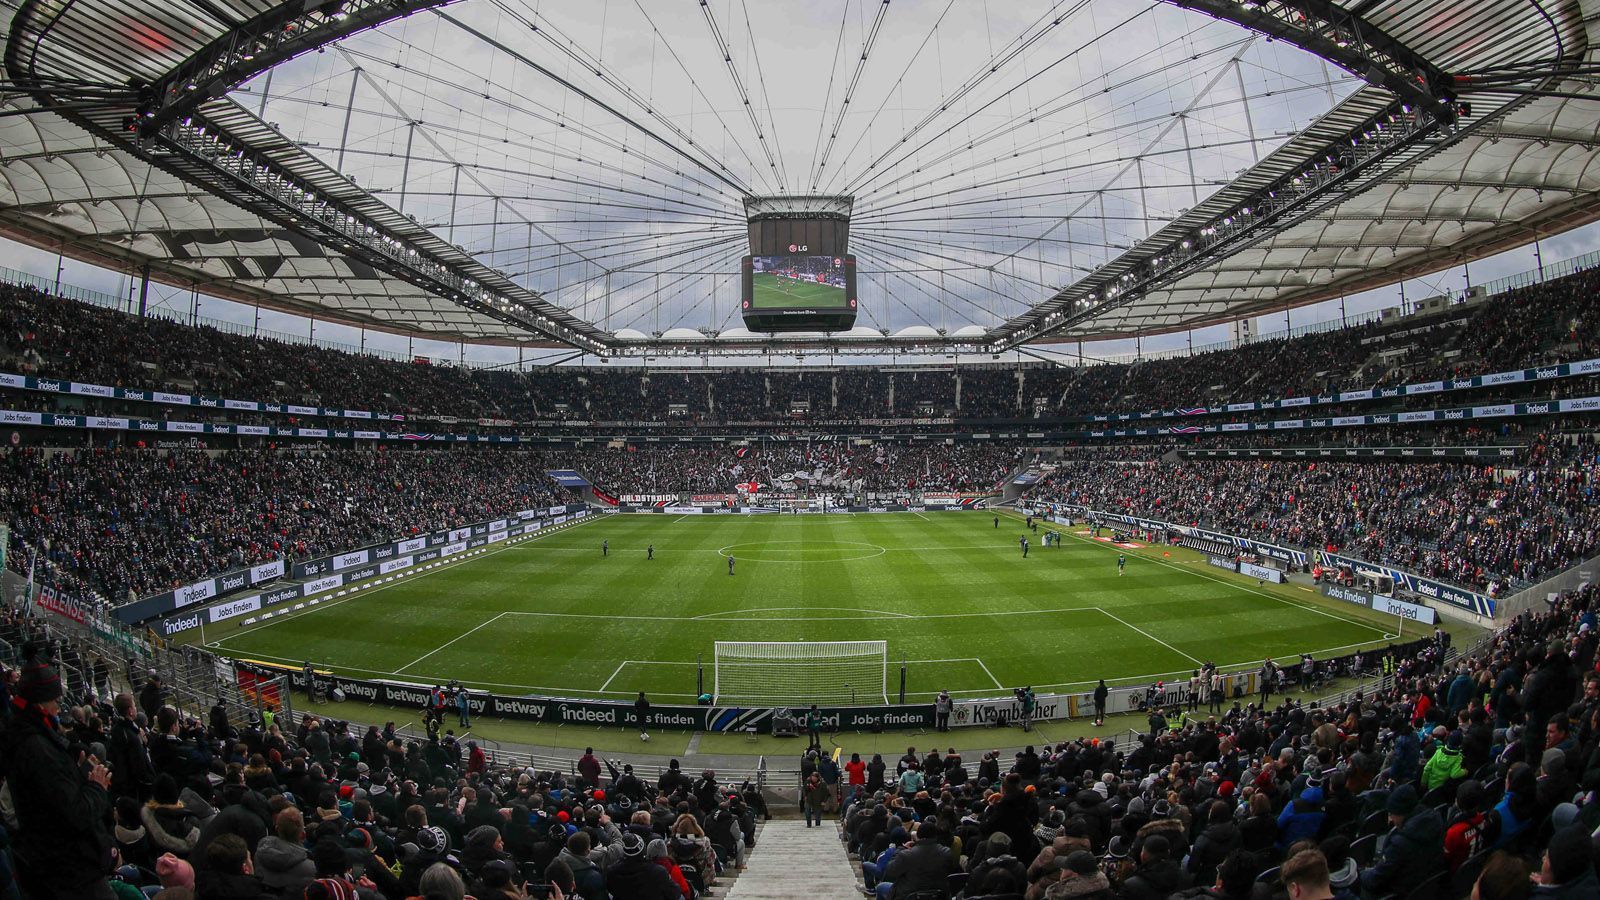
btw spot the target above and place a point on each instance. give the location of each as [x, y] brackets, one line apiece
[1152, 637]
[475, 628]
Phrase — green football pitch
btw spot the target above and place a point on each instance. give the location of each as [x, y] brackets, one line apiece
[948, 591]
[776, 292]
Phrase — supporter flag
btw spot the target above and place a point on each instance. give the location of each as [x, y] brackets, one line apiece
[27, 596]
[749, 487]
[741, 452]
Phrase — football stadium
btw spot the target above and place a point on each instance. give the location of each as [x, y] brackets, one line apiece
[1053, 450]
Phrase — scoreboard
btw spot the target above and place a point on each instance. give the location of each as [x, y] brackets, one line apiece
[798, 292]
[799, 275]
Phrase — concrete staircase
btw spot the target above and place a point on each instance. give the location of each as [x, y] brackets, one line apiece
[793, 862]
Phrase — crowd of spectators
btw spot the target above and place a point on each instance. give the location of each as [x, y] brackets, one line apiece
[122, 795]
[830, 467]
[1478, 771]
[1484, 525]
[50, 336]
[119, 521]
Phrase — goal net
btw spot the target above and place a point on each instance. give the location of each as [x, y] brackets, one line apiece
[770, 673]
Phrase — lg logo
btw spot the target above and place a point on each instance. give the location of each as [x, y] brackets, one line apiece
[799, 248]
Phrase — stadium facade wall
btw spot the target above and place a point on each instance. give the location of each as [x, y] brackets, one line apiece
[1538, 595]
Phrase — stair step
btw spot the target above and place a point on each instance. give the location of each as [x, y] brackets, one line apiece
[786, 849]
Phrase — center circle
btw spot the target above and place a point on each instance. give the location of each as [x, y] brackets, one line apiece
[802, 551]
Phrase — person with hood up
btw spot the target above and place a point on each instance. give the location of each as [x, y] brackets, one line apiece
[1301, 818]
[1413, 851]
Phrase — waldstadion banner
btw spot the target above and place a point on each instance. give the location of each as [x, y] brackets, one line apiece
[356, 565]
[1426, 587]
[1516, 376]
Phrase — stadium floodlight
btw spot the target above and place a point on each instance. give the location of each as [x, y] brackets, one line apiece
[799, 673]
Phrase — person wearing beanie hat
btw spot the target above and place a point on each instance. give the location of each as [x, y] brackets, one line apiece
[1567, 872]
[636, 877]
[62, 847]
[1080, 878]
[658, 853]
[484, 845]
[1414, 850]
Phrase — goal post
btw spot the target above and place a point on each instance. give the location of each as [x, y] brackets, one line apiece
[775, 673]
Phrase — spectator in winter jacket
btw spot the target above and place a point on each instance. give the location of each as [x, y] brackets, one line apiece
[1404, 762]
[1156, 877]
[924, 866]
[1414, 850]
[281, 859]
[1301, 819]
[61, 847]
[656, 851]
[1444, 766]
[635, 877]
[1568, 869]
[129, 757]
[590, 881]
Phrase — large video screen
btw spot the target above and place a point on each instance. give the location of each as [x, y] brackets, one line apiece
[779, 283]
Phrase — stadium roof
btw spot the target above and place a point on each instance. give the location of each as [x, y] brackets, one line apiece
[504, 171]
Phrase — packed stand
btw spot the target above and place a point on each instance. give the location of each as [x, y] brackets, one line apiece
[53, 337]
[1482, 526]
[141, 521]
[121, 795]
[825, 467]
[1458, 773]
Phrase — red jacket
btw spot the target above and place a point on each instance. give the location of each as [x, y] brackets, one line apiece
[677, 876]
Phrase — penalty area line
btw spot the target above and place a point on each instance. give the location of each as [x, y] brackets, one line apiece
[1152, 637]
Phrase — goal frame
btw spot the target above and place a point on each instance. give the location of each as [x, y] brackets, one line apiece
[788, 653]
